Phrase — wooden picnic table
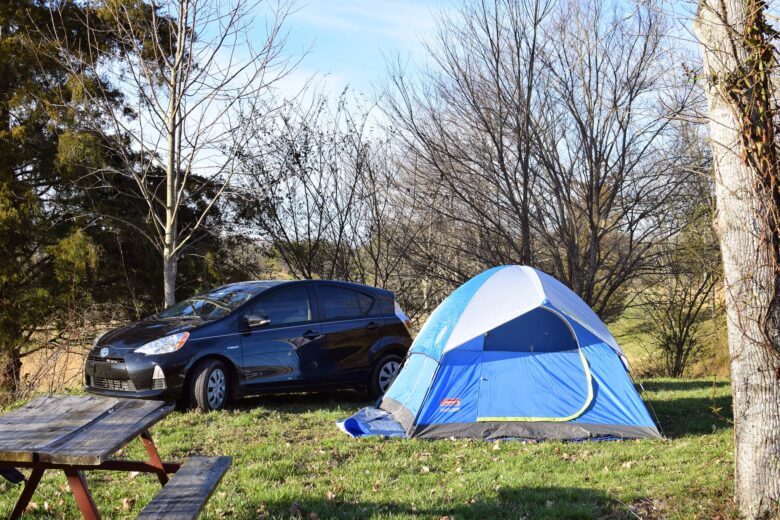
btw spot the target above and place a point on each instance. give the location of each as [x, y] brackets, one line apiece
[82, 433]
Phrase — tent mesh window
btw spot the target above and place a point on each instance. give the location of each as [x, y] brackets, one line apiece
[539, 330]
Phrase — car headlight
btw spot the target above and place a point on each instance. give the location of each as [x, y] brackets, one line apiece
[164, 345]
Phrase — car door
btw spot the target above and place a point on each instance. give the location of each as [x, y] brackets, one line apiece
[286, 350]
[350, 329]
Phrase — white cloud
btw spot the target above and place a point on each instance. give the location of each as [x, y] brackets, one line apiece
[403, 21]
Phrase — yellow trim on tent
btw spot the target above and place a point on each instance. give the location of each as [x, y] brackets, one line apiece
[588, 400]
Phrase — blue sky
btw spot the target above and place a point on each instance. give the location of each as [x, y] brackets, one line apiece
[348, 39]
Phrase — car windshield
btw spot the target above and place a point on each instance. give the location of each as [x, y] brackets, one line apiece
[214, 304]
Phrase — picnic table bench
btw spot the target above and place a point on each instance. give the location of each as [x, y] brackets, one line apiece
[82, 433]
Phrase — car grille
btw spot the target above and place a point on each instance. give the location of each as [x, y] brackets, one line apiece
[113, 384]
[93, 357]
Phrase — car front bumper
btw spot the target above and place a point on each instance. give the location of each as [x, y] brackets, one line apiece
[130, 375]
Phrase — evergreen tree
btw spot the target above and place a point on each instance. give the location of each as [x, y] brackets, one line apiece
[40, 244]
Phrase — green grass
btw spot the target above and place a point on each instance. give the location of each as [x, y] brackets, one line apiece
[291, 461]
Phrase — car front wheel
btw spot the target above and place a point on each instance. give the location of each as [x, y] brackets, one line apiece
[210, 385]
[384, 374]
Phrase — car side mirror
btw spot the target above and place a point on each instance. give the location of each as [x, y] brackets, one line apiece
[253, 321]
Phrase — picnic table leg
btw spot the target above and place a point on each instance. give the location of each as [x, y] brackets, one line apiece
[27, 493]
[154, 457]
[78, 486]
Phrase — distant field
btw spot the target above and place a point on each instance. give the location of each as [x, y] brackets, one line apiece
[633, 332]
[290, 461]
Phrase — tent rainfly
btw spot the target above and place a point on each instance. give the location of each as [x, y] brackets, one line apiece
[512, 353]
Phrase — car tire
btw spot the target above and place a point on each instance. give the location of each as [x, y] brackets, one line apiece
[210, 387]
[383, 374]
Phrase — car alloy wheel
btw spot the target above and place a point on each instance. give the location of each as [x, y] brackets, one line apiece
[216, 389]
[210, 385]
[387, 373]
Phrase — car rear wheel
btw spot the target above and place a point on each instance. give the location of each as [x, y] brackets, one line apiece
[384, 374]
[210, 386]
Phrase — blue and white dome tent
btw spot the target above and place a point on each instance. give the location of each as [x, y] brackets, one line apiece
[512, 353]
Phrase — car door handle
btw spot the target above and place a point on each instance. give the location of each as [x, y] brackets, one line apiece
[372, 325]
[312, 334]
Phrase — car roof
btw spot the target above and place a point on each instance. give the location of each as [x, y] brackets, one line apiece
[268, 284]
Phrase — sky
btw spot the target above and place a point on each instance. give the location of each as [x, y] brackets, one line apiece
[345, 42]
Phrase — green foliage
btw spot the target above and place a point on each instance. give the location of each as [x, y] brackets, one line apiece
[79, 150]
[75, 257]
[45, 258]
[60, 216]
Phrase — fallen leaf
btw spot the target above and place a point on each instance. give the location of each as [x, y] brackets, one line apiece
[127, 503]
[425, 469]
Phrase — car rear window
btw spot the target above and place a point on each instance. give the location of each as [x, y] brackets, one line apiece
[341, 303]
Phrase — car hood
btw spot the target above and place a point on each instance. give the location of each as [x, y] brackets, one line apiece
[141, 332]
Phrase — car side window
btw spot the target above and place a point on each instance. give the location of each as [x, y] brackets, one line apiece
[341, 303]
[285, 306]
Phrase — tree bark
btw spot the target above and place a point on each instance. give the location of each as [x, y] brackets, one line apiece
[170, 268]
[10, 371]
[750, 268]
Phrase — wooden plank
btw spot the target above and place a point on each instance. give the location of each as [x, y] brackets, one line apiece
[142, 466]
[83, 430]
[188, 491]
[98, 440]
[44, 420]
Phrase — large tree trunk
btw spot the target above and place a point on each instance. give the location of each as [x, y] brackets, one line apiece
[750, 267]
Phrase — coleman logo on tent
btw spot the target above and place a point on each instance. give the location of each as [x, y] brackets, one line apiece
[450, 401]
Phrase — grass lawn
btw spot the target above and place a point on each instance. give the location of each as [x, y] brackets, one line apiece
[290, 461]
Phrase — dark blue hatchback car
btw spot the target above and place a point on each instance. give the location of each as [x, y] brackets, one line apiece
[255, 337]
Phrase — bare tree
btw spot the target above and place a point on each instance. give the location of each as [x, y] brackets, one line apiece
[603, 142]
[300, 180]
[543, 133]
[189, 74]
[739, 56]
[676, 299]
[676, 294]
[323, 191]
[468, 120]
